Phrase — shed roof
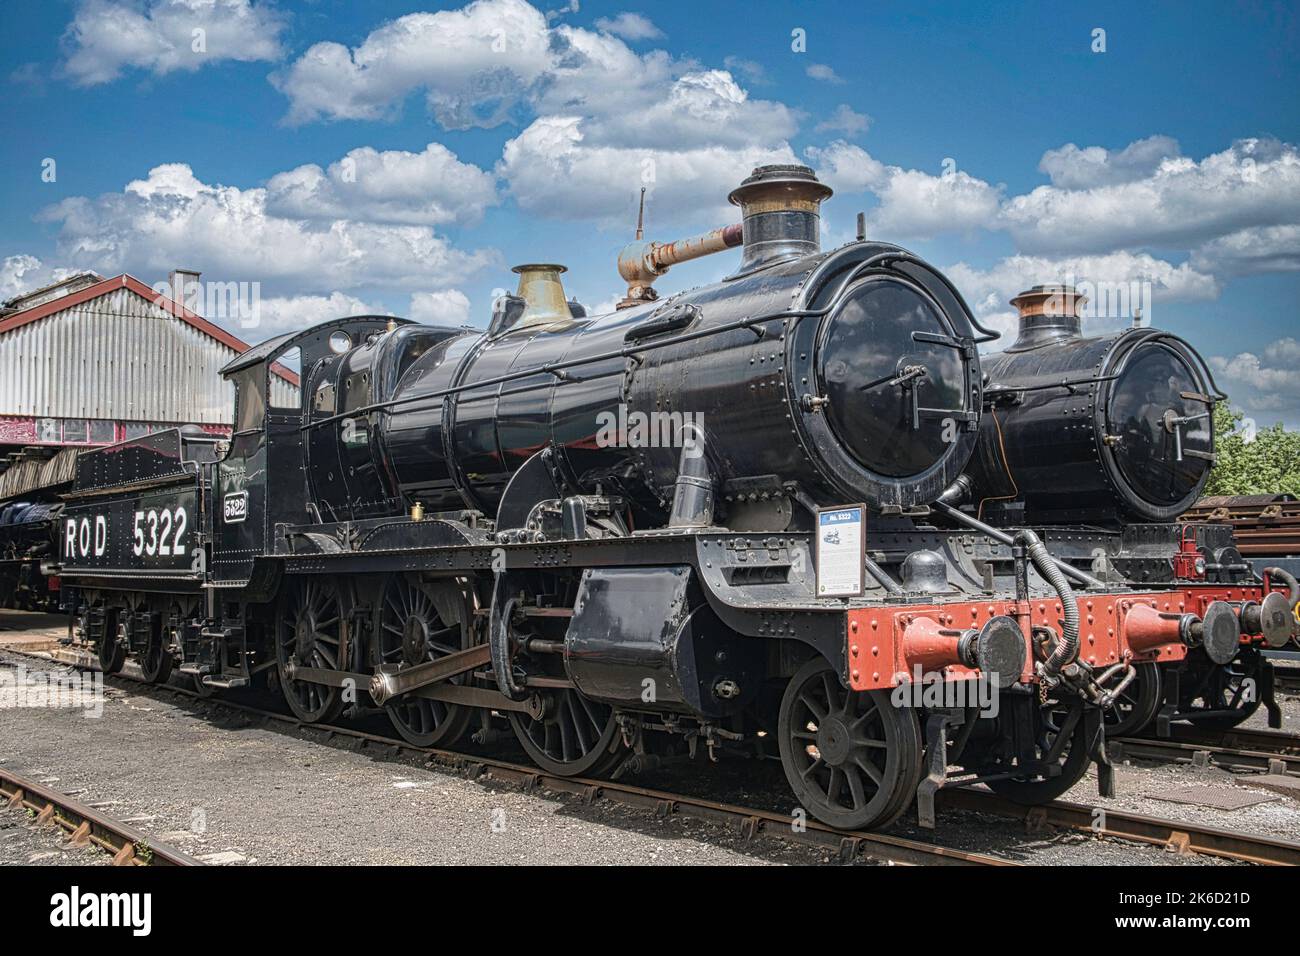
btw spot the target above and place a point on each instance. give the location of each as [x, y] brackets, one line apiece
[36, 313]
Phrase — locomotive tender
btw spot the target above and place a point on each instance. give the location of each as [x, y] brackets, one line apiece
[470, 528]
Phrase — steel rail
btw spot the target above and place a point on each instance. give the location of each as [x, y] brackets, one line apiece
[1277, 742]
[87, 825]
[1286, 680]
[1230, 749]
[1174, 835]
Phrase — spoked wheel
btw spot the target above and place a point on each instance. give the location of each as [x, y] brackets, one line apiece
[156, 661]
[311, 631]
[1137, 705]
[1233, 686]
[421, 622]
[852, 757]
[112, 653]
[1071, 760]
[574, 737]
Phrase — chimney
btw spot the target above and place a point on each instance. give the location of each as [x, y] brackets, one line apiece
[781, 206]
[1048, 313]
[543, 295]
[185, 288]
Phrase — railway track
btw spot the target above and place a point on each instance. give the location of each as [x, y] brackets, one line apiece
[1287, 679]
[1267, 750]
[1176, 836]
[87, 826]
[1172, 835]
[849, 845]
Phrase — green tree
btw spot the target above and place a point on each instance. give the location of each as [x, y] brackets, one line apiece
[1268, 465]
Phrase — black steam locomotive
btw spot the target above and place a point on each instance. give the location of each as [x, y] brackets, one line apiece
[27, 530]
[792, 514]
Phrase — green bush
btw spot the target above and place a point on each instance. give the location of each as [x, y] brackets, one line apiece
[1268, 465]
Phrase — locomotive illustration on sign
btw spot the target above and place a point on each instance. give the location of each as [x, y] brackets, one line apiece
[442, 526]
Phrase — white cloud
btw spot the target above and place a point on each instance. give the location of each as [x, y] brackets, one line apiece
[21, 274]
[1264, 382]
[1254, 183]
[844, 120]
[1235, 212]
[1247, 251]
[228, 233]
[1073, 168]
[480, 65]
[573, 6]
[989, 291]
[630, 26]
[432, 187]
[847, 168]
[652, 100]
[108, 36]
[554, 172]
[913, 204]
[445, 307]
[751, 70]
[822, 72]
[473, 64]
[279, 314]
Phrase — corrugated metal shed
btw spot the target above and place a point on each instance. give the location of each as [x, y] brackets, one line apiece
[118, 351]
[117, 356]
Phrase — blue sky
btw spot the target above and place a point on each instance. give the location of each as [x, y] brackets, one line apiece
[402, 156]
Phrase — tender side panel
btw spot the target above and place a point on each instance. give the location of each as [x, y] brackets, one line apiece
[150, 534]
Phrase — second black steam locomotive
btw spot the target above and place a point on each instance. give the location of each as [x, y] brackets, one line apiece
[760, 517]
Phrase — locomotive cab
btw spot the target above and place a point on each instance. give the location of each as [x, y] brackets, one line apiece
[270, 405]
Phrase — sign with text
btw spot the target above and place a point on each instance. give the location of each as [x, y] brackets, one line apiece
[841, 551]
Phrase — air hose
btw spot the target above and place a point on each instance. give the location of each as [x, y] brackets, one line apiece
[1287, 578]
[1067, 648]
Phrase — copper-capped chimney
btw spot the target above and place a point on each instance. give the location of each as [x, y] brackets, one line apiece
[781, 205]
[1048, 313]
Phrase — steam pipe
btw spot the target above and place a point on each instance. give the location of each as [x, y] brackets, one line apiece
[693, 492]
[640, 263]
[882, 576]
[1087, 580]
[1287, 578]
